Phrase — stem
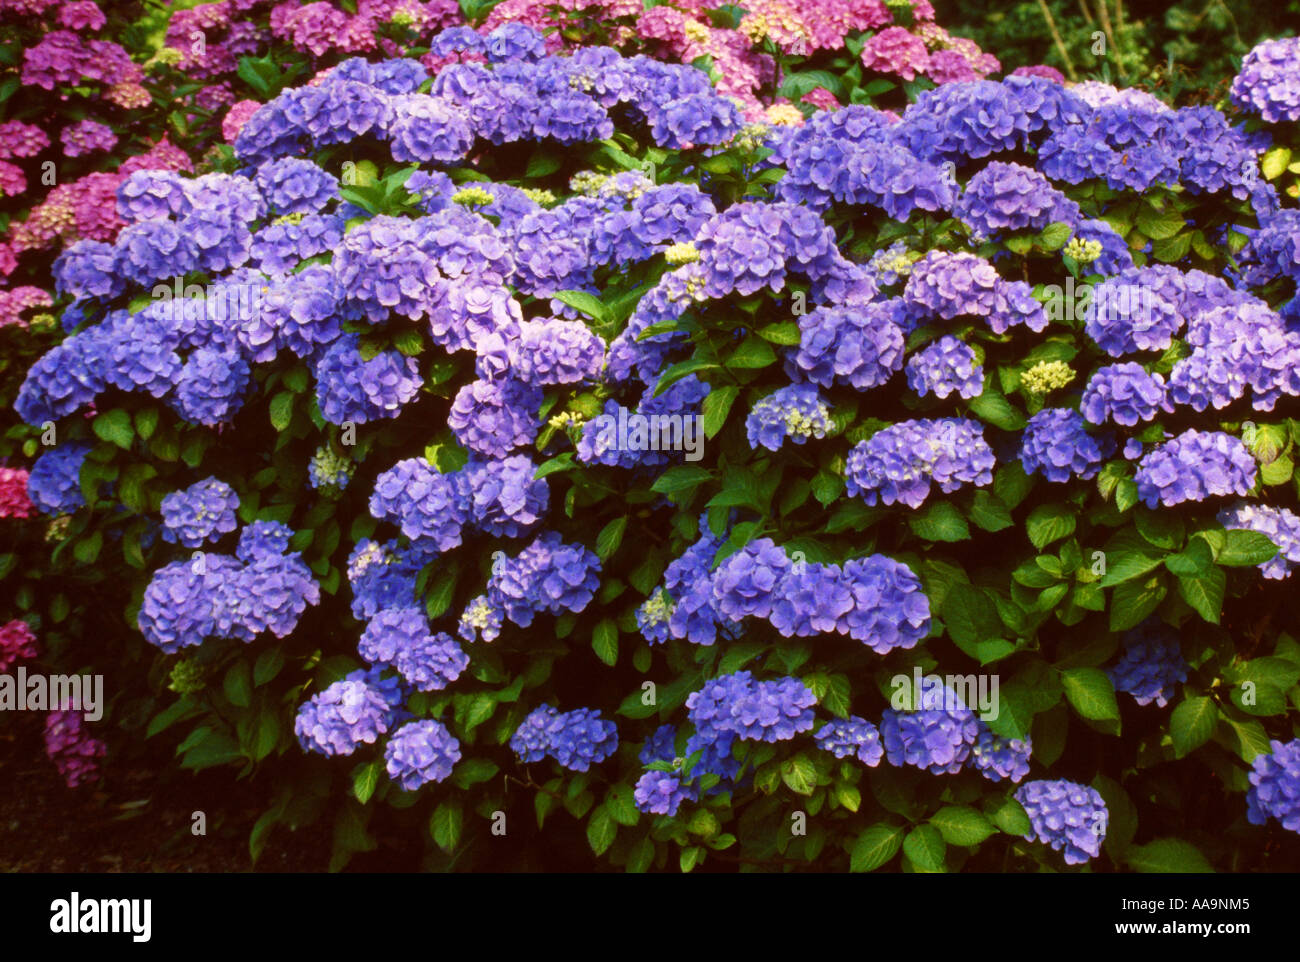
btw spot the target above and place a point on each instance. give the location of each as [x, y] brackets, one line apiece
[1056, 36]
[1087, 14]
[1110, 36]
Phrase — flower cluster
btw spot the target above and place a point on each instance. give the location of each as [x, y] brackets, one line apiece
[1151, 666]
[1071, 818]
[901, 462]
[576, 739]
[72, 749]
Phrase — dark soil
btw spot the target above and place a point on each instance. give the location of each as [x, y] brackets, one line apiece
[132, 820]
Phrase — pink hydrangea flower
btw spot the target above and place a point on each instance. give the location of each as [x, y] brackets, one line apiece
[86, 137]
[1040, 70]
[81, 15]
[17, 643]
[896, 51]
[236, 117]
[13, 303]
[821, 98]
[12, 181]
[18, 139]
[74, 753]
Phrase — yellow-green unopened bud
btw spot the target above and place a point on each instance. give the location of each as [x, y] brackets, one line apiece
[678, 254]
[472, 196]
[186, 677]
[543, 197]
[57, 530]
[290, 218]
[753, 136]
[587, 182]
[169, 56]
[566, 419]
[1085, 252]
[1047, 376]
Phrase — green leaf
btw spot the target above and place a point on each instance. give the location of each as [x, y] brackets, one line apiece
[604, 641]
[1048, 523]
[680, 479]
[989, 511]
[925, 847]
[799, 775]
[621, 803]
[1244, 547]
[717, 405]
[365, 780]
[753, 353]
[1274, 163]
[114, 426]
[1011, 818]
[586, 303]
[1133, 601]
[268, 665]
[970, 615]
[281, 410]
[998, 411]
[1054, 236]
[1192, 723]
[1205, 593]
[238, 685]
[610, 537]
[446, 824]
[1160, 226]
[785, 333]
[874, 847]
[601, 830]
[1167, 855]
[961, 825]
[1091, 693]
[940, 521]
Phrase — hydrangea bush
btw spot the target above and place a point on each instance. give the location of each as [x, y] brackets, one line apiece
[521, 444]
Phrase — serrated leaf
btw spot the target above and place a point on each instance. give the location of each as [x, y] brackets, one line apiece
[1167, 855]
[874, 847]
[1192, 723]
[961, 825]
[1090, 692]
[925, 847]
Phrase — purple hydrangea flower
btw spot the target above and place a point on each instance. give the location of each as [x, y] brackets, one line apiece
[200, 513]
[1056, 443]
[852, 736]
[420, 752]
[936, 736]
[1151, 666]
[1275, 786]
[1193, 466]
[1070, 817]
[943, 367]
[899, 463]
[796, 412]
[1124, 393]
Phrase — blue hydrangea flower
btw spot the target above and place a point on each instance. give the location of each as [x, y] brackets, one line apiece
[810, 599]
[54, 484]
[263, 538]
[211, 387]
[899, 463]
[504, 499]
[946, 366]
[1070, 817]
[495, 417]
[1269, 81]
[1275, 786]
[420, 752]
[1056, 443]
[1123, 393]
[1193, 466]
[860, 346]
[745, 584]
[937, 735]
[346, 715]
[423, 502]
[889, 608]
[997, 758]
[796, 412]
[1009, 197]
[425, 129]
[548, 576]
[662, 793]
[349, 388]
[200, 513]
[852, 736]
[1151, 666]
[576, 739]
